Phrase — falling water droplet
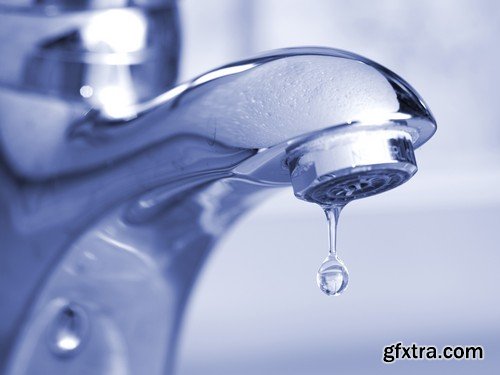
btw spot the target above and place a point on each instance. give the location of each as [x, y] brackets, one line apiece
[68, 330]
[332, 276]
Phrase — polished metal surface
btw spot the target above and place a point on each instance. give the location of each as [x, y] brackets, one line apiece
[355, 165]
[112, 205]
[51, 7]
[90, 58]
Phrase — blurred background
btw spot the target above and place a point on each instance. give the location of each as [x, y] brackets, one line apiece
[423, 259]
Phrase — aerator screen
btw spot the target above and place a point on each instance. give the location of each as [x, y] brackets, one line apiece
[343, 189]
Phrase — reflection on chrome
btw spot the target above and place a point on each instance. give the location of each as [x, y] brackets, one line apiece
[116, 184]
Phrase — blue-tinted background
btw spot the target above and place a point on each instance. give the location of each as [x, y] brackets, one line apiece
[423, 258]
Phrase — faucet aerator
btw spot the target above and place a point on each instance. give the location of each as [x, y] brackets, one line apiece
[334, 169]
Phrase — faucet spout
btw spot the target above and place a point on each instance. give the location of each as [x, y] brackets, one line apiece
[253, 104]
[115, 208]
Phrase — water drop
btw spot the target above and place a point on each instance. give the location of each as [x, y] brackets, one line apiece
[68, 330]
[332, 275]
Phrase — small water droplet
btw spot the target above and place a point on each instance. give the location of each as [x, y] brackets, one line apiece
[86, 91]
[332, 277]
[68, 330]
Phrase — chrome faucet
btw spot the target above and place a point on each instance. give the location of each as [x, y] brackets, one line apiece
[116, 184]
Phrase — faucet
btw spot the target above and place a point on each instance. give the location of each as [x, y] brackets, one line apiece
[116, 182]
